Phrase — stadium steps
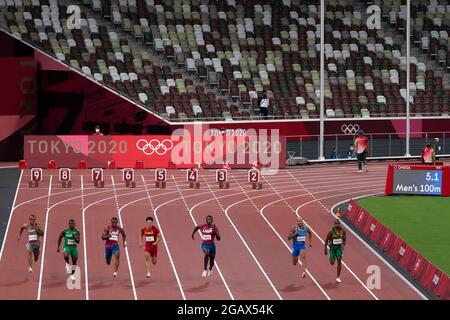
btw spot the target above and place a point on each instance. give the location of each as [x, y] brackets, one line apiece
[159, 59]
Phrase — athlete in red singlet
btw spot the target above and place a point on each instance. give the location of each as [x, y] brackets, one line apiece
[151, 236]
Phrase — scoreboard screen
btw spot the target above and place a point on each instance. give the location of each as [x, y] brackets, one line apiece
[418, 179]
[420, 182]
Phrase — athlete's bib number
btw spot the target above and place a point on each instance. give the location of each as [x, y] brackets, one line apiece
[71, 242]
[206, 237]
[113, 237]
[32, 237]
[301, 239]
[150, 239]
[337, 241]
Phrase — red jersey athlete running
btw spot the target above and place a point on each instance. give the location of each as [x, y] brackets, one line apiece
[151, 234]
[111, 235]
[209, 231]
[361, 146]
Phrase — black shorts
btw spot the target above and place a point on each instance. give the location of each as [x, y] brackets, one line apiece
[361, 156]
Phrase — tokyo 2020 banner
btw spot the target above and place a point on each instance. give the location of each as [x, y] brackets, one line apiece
[183, 149]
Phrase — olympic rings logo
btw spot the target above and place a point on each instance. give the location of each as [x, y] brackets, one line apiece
[154, 146]
[350, 129]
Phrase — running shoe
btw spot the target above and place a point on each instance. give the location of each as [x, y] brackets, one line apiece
[304, 275]
[72, 277]
[148, 275]
[30, 270]
[68, 268]
[204, 274]
[359, 171]
[210, 273]
[115, 274]
[338, 280]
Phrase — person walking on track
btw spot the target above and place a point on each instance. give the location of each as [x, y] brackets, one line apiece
[151, 235]
[336, 237]
[361, 145]
[111, 235]
[208, 231]
[71, 238]
[298, 236]
[34, 244]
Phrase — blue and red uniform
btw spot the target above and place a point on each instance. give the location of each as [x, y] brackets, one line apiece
[208, 235]
[112, 243]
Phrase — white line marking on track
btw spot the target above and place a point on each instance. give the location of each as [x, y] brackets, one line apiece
[86, 281]
[126, 247]
[371, 249]
[260, 211]
[45, 238]
[10, 215]
[164, 239]
[196, 224]
[245, 243]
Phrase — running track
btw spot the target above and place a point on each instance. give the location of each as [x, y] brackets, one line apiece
[253, 259]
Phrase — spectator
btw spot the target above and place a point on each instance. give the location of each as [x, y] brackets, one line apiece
[97, 131]
[428, 155]
[263, 102]
[351, 152]
[334, 154]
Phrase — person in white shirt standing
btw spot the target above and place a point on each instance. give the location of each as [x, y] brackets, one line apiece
[264, 105]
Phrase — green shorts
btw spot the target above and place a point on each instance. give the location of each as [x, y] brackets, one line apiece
[335, 252]
[73, 251]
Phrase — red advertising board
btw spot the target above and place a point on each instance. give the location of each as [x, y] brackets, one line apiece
[155, 151]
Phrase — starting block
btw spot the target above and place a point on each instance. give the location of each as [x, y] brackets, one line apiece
[128, 177]
[254, 178]
[33, 184]
[192, 178]
[222, 178]
[97, 177]
[36, 176]
[257, 185]
[224, 185]
[64, 177]
[66, 184]
[130, 184]
[160, 178]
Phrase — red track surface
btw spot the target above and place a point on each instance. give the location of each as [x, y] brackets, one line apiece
[253, 258]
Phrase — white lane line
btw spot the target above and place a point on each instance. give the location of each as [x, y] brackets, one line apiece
[371, 249]
[45, 238]
[196, 224]
[225, 211]
[260, 211]
[126, 247]
[164, 238]
[86, 281]
[10, 215]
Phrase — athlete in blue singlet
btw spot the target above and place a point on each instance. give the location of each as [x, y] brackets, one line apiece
[298, 235]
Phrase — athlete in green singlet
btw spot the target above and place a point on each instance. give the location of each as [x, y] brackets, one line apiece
[336, 238]
[71, 239]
